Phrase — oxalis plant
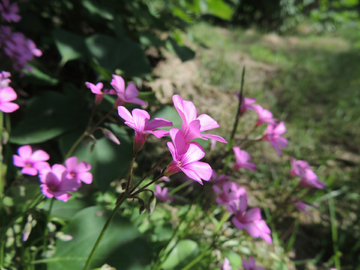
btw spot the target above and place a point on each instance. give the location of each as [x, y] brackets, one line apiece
[233, 216]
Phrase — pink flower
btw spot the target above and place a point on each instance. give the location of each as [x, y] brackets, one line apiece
[250, 221]
[125, 95]
[192, 125]
[8, 94]
[162, 194]
[226, 265]
[139, 121]
[229, 193]
[96, 89]
[4, 81]
[165, 179]
[185, 158]
[246, 103]
[298, 167]
[8, 11]
[242, 158]
[57, 184]
[31, 162]
[219, 179]
[310, 179]
[251, 265]
[300, 206]
[265, 116]
[79, 170]
[272, 135]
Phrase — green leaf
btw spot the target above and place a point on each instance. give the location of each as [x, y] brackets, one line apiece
[219, 9]
[185, 251]
[97, 9]
[114, 53]
[168, 113]
[178, 12]
[38, 77]
[184, 52]
[70, 46]
[108, 160]
[122, 246]
[64, 210]
[49, 116]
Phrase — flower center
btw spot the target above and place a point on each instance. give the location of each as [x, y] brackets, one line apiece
[28, 164]
[73, 175]
[52, 187]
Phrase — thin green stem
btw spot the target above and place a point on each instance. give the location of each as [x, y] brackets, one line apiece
[334, 232]
[149, 172]
[46, 231]
[91, 117]
[148, 184]
[101, 120]
[196, 260]
[78, 141]
[185, 184]
[238, 113]
[130, 173]
[158, 267]
[108, 221]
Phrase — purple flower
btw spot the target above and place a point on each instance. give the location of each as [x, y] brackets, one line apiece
[298, 167]
[229, 193]
[265, 116]
[139, 121]
[162, 194]
[192, 125]
[8, 11]
[226, 265]
[79, 170]
[185, 158]
[19, 48]
[219, 179]
[8, 94]
[300, 206]
[310, 179]
[272, 135]
[246, 103]
[242, 158]
[251, 265]
[250, 221]
[57, 184]
[4, 79]
[31, 162]
[125, 95]
[96, 89]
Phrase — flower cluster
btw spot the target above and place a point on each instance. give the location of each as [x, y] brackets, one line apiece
[273, 131]
[19, 48]
[58, 180]
[7, 94]
[124, 95]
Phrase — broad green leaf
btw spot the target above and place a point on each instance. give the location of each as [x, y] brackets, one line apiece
[184, 252]
[149, 39]
[49, 116]
[71, 46]
[64, 210]
[114, 53]
[97, 9]
[169, 113]
[219, 9]
[38, 77]
[184, 53]
[108, 160]
[122, 246]
[178, 12]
